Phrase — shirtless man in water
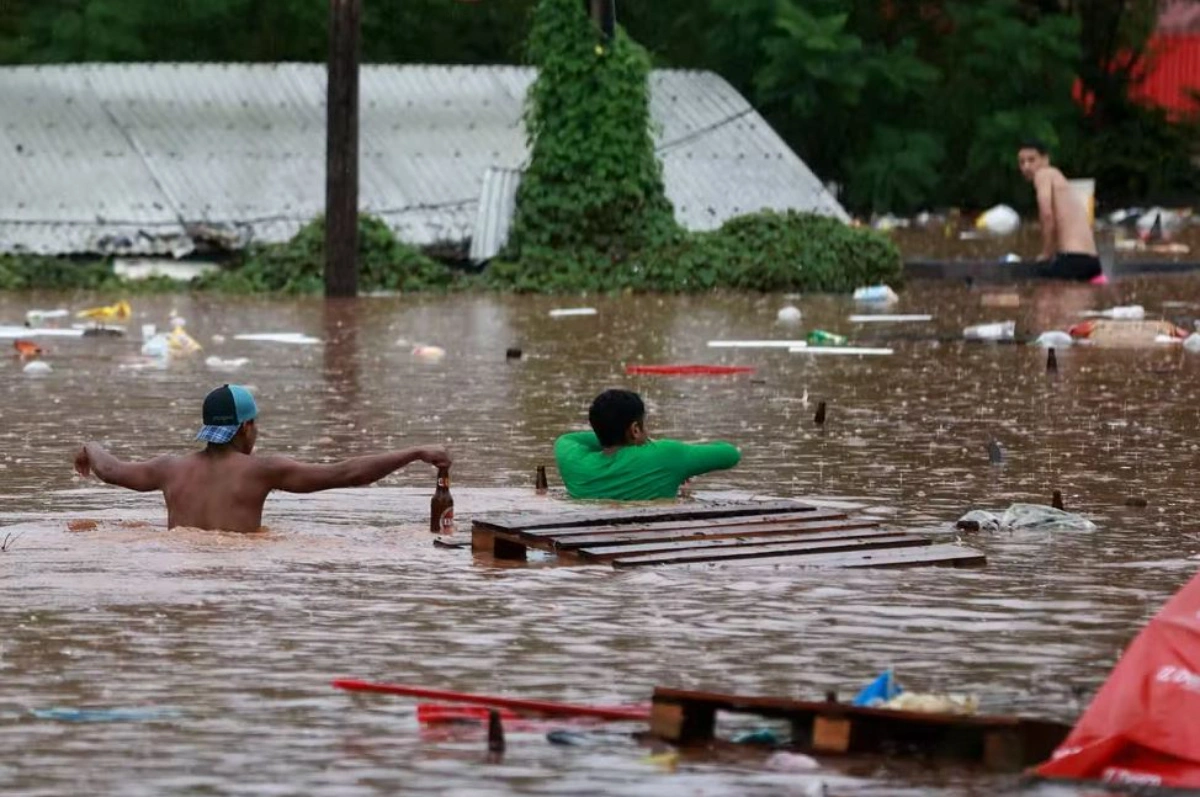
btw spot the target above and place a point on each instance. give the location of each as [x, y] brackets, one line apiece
[224, 487]
[1067, 240]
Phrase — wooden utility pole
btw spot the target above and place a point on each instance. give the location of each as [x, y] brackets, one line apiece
[604, 14]
[341, 150]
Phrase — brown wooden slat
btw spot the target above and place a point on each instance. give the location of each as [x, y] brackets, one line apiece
[783, 707]
[687, 525]
[526, 521]
[759, 551]
[602, 554]
[715, 533]
[928, 556]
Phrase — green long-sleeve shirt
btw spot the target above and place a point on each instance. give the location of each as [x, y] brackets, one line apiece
[635, 473]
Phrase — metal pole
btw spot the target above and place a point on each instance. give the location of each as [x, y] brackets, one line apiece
[341, 150]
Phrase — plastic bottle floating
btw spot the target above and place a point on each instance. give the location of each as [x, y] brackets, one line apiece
[115, 313]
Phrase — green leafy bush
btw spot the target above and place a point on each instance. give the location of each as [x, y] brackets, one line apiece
[298, 266]
[40, 272]
[766, 251]
[593, 192]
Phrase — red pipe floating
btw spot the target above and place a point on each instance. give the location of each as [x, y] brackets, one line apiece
[688, 370]
[615, 713]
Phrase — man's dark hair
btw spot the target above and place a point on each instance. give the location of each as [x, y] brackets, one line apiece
[611, 414]
[1035, 144]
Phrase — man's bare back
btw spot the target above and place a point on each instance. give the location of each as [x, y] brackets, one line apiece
[1066, 226]
[225, 486]
[1070, 229]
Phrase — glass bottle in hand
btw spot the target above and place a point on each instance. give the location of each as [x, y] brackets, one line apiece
[442, 517]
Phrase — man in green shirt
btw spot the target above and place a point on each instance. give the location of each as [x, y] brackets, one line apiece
[618, 461]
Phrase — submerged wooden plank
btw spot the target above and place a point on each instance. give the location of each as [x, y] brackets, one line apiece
[603, 553]
[573, 541]
[526, 521]
[1000, 742]
[759, 551]
[928, 556]
[700, 527]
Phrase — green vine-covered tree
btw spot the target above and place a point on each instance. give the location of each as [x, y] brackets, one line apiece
[593, 193]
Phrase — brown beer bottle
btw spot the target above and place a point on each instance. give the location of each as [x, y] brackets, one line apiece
[442, 518]
[539, 483]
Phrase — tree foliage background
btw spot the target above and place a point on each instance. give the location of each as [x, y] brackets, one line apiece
[904, 103]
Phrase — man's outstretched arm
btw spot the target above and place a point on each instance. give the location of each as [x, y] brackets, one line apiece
[291, 476]
[140, 476]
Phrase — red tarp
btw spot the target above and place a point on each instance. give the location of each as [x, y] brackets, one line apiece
[1144, 725]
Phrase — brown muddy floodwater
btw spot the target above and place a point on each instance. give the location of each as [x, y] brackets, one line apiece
[234, 639]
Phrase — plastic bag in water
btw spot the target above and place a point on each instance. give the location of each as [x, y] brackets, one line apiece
[1035, 517]
[1029, 517]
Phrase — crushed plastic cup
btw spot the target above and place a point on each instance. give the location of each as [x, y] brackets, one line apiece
[1054, 340]
[876, 294]
[1001, 330]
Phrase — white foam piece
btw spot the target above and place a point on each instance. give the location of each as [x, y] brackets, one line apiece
[12, 333]
[889, 319]
[568, 312]
[757, 344]
[846, 350]
[298, 338]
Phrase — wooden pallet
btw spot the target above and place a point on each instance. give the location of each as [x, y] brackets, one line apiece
[1004, 743]
[766, 533]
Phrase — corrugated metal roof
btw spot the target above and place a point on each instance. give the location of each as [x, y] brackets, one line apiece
[497, 203]
[138, 159]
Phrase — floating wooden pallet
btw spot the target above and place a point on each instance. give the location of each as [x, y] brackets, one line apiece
[764, 533]
[1003, 743]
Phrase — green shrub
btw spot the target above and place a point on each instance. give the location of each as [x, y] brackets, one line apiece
[45, 273]
[298, 265]
[593, 192]
[768, 251]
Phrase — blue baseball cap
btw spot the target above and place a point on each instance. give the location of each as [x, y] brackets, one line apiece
[225, 410]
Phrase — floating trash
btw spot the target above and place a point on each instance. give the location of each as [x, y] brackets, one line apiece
[37, 368]
[757, 344]
[1054, 340]
[876, 294]
[820, 337]
[105, 714]
[428, 353]
[1130, 312]
[1192, 342]
[845, 350]
[998, 220]
[297, 338]
[119, 312]
[1003, 330]
[1028, 517]
[789, 315]
[890, 319]
[218, 364]
[38, 317]
[569, 312]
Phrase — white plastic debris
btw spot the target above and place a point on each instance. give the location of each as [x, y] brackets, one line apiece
[1001, 330]
[428, 353]
[37, 317]
[1054, 340]
[998, 220]
[757, 344]
[876, 294]
[789, 315]
[297, 338]
[219, 364]
[843, 350]
[12, 333]
[37, 368]
[149, 331]
[218, 339]
[568, 312]
[157, 346]
[783, 761]
[1011, 257]
[1029, 517]
[1192, 343]
[890, 319]
[1128, 312]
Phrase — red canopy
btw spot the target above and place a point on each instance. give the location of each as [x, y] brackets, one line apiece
[1143, 726]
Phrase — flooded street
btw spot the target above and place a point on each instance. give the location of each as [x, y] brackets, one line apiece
[236, 638]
